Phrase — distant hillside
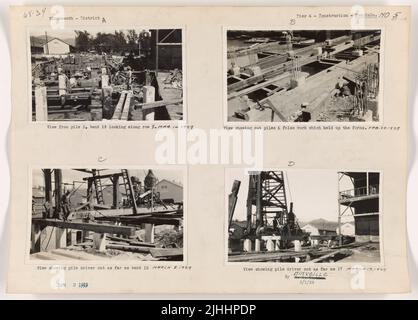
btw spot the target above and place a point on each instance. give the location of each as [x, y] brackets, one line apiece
[320, 223]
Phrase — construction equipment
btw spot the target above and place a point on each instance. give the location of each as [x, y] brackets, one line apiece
[272, 215]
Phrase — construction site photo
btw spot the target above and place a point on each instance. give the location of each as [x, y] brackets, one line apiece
[96, 74]
[303, 75]
[103, 214]
[303, 216]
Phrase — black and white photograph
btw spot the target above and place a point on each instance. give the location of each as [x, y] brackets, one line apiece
[91, 74]
[107, 214]
[303, 216]
[303, 75]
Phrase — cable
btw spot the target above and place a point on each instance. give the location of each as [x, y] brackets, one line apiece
[288, 186]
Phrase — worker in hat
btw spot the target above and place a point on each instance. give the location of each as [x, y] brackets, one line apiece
[65, 204]
[305, 116]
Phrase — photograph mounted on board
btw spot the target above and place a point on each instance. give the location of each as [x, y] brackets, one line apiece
[303, 216]
[91, 74]
[303, 75]
[107, 214]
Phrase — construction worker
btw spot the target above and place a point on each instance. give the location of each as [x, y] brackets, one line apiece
[304, 115]
[65, 204]
[129, 77]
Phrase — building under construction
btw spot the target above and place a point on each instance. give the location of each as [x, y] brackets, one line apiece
[123, 75]
[361, 202]
[272, 231]
[105, 214]
[302, 76]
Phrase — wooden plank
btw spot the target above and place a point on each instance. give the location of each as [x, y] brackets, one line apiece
[76, 255]
[270, 72]
[137, 249]
[267, 256]
[88, 226]
[140, 219]
[118, 110]
[259, 86]
[161, 103]
[132, 242]
[233, 196]
[103, 176]
[330, 255]
[126, 107]
[167, 252]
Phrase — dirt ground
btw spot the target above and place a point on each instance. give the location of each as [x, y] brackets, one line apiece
[370, 252]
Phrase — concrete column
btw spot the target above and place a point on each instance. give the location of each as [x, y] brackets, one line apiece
[99, 241]
[47, 239]
[107, 102]
[41, 107]
[270, 245]
[257, 245]
[247, 245]
[149, 232]
[298, 246]
[35, 238]
[149, 96]
[73, 237]
[236, 70]
[62, 84]
[61, 238]
[277, 245]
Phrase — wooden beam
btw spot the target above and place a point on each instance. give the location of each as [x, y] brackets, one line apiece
[345, 252]
[232, 200]
[140, 219]
[266, 256]
[157, 104]
[103, 176]
[119, 107]
[168, 253]
[138, 249]
[126, 107]
[132, 242]
[88, 226]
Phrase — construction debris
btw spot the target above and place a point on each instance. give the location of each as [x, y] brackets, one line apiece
[119, 216]
[273, 233]
[107, 76]
[303, 76]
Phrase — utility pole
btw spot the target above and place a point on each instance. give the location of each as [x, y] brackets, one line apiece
[156, 52]
[46, 43]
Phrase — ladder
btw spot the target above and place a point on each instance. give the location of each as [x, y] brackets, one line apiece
[129, 190]
[98, 186]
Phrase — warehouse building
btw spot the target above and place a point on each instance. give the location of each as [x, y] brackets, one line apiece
[169, 191]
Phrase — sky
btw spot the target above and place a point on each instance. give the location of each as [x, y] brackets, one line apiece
[314, 193]
[68, 175]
